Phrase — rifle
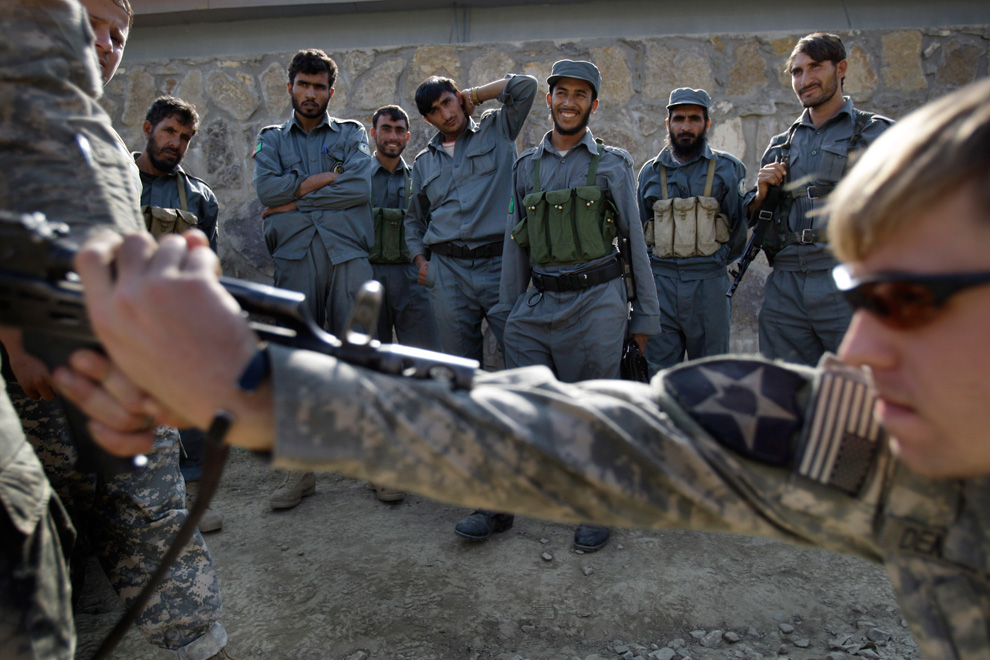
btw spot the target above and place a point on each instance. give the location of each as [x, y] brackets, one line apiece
[762, 220]
[41, 294]
[625, 260]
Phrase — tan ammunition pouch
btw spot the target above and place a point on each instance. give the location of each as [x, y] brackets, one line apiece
[567, 226]
[161, 221]
[687, 226]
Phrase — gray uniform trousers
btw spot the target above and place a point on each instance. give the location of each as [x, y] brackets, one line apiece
[406, 308]
[462, 292]
[578, 334]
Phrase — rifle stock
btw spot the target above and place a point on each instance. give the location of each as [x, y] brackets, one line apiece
[761, 222]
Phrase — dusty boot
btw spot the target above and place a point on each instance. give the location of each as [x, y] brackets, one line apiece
[591, 538]
[482, 524]
[386, 494]
[210, 521]
[296, 486]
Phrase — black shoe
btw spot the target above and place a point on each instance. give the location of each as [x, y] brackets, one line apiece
[482, 524]
[590, 538]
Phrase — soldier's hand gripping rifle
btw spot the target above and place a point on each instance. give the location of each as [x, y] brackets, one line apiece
[762, 223]
[40, 294]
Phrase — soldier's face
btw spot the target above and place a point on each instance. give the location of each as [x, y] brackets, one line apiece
[167, 143]
[815, 83]
[571, 105]
[447, 115]
[933, 377]
[686, 127]
[390, 136]
[109, 22]
[311, 93]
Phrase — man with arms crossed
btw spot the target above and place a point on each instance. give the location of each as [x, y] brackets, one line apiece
[732, 444]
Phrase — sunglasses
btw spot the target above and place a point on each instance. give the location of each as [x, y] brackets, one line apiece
[903, 300]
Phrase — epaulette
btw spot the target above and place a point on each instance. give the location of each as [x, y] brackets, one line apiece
[523, 156]
[620, 152]
[268, 128]
[349, 121]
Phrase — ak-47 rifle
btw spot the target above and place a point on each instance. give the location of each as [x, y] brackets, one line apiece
[762, 222]
[40, 294]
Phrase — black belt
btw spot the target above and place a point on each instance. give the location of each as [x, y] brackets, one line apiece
[817, 191]
[577, 281]
[463, 252]
[807, 237]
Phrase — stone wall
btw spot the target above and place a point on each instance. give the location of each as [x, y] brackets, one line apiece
[890, 71]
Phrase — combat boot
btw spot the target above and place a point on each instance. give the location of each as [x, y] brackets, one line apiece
[386, 494]
[210, 521]
[296, 486]
[591, 538]
[482, 524]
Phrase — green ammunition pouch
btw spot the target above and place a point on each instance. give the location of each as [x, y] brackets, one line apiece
[161, 221]
[687, 226]
[390, 234]
[568, 226]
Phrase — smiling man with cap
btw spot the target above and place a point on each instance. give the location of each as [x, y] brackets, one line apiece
[572, 196]
[690, 203]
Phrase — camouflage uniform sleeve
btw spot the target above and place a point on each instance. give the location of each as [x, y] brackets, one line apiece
[636, 455]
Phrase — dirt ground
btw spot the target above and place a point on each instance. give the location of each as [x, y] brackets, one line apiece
[343, 576]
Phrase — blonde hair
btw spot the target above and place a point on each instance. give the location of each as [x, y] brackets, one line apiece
[932, 152]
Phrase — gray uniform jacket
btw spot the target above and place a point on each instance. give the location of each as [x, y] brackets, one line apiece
[464, 199]
[388, 189]
[163, 192]
[688, 180]
[818, 155]
[340, 212]
[724, 444]
[615, 178]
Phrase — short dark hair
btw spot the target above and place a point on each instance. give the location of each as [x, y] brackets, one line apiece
[394, 112]
[170, 106]
[820, 47]
[430, 91]
[312, 61]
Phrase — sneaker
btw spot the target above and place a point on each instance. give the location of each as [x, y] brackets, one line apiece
[296, 486]
[591, 538]
[482, 524]
[386, 494]
[210, 521]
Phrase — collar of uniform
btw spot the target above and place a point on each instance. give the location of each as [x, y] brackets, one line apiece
[666, 157]
[588, 142]
[327, 120]
[436, 142]
[398, 168]
[846, 109]
[173, 172]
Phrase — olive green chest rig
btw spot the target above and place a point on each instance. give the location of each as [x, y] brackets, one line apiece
[160, 221]
[687, 226]
[570, 225]
[390, 236]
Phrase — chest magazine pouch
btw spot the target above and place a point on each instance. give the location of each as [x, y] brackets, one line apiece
[687, 226]
[390, 234]
[160, 221]
[567, 226]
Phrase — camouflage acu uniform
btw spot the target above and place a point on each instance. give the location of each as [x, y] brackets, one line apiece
[60, 156]
[724, 444]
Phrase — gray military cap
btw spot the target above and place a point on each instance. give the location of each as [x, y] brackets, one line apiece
[581, 70]
[688, 96]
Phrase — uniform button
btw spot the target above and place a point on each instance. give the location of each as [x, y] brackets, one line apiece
[814, 152]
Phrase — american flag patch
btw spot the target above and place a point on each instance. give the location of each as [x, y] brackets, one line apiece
[842, 436]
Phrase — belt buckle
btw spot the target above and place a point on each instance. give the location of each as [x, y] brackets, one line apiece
[807, 237]
[812, 192]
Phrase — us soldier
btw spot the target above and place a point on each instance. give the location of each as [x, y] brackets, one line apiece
[313, 173]
[731, 444]
[130, 519]
[461, 182]
[690, 201]
[581, 194]
[406, 305]
[802, 315]
[172, 201]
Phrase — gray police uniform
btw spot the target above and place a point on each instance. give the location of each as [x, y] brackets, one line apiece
[696, 313]
[62, 158]
[724, 444]
[803, 315]
[163, 192]
[578, 331]
[456, 217]
[406, 307]
[321, 249]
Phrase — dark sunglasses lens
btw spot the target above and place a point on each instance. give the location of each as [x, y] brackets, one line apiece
[899, 304]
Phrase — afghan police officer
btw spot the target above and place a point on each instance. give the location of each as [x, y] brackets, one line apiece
[802, 315]
[462, 181]
[572, 197]
[890, 463]
[61, 157]
[313, 174]
[691, 204]
[173, 201]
